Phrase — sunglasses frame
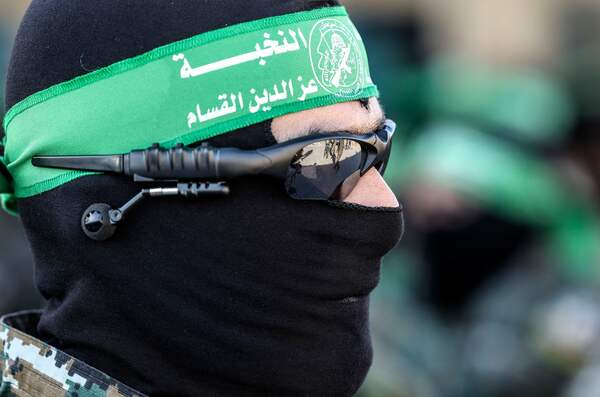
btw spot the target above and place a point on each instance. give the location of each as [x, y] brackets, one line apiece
[205, 162]
[378, 144]
[186, 166]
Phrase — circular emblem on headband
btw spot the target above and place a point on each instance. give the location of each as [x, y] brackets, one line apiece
[336, 57]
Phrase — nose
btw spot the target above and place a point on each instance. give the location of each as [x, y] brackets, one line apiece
[372, 191]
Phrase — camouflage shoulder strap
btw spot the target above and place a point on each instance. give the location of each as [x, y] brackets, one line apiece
[32, 368]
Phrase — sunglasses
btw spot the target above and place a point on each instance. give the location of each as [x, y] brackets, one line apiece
[316, 167]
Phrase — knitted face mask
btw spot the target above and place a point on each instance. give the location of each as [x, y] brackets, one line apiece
[277, 288]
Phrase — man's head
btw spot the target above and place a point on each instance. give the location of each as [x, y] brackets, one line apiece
[346, 116]
[235, 293]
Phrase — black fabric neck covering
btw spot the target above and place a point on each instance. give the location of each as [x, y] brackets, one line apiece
[254, 294]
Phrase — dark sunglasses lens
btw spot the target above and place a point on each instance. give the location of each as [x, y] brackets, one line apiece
[319, 170]
[381, 167]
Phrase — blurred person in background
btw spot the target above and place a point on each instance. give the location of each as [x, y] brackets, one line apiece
[502, 242]
[580, 65]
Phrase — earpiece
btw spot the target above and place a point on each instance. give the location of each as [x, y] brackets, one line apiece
[97, 222]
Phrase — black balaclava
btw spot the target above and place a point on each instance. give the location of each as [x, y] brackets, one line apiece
[461, 260]
[252, 294]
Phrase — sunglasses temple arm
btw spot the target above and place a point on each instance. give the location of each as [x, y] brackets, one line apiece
[198, 163]
[181, 163]
[162, 164]
[232, 163]
[113, 163]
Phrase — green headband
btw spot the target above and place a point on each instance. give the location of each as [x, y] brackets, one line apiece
[187, 91]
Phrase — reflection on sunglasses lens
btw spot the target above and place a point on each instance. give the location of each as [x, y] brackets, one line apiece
[319, 170]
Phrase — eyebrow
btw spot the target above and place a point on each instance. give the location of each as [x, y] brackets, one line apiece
[379, 125]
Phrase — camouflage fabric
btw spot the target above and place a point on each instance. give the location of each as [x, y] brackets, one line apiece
[32, 368]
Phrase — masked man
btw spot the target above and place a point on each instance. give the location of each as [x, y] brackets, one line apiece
[261, 291]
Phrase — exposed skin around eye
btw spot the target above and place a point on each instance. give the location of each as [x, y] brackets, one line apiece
[371, 190]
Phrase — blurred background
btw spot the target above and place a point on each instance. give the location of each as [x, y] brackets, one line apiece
[495, 290]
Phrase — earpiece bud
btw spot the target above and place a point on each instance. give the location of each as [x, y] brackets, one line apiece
[98, 222]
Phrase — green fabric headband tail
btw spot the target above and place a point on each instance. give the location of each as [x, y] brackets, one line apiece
[188, 91]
